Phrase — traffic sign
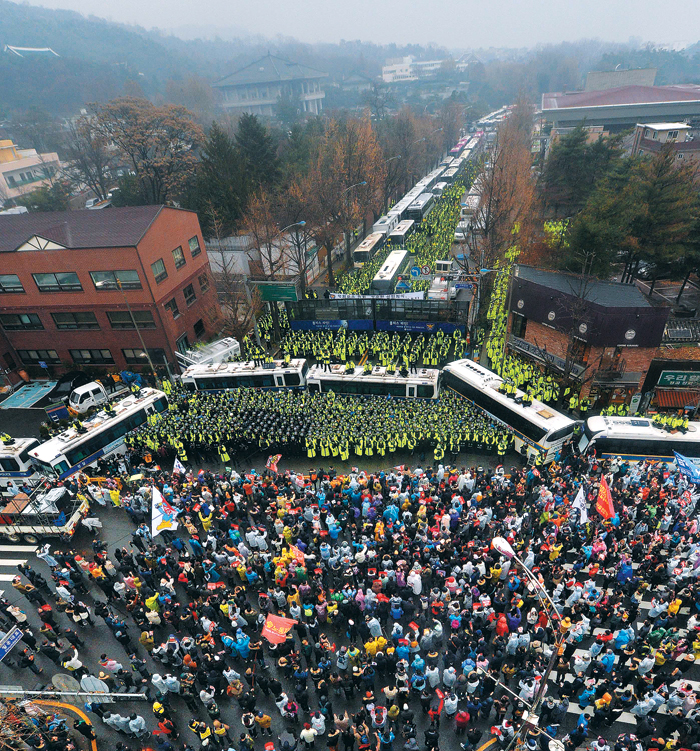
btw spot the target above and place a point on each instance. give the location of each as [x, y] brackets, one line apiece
[42, 364]
[9, 641]
[425, 269]
[415, 271]
[463, 285]
[402, 285]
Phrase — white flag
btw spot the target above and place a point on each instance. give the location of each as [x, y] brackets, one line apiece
[179, 467]
[162, 515]
[580, 504]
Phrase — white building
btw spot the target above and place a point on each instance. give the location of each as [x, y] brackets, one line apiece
[24, 170]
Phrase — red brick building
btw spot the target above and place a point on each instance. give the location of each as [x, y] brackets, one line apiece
[603, 334]
[60, 301]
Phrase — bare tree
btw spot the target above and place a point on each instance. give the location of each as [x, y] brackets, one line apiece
[90, 159]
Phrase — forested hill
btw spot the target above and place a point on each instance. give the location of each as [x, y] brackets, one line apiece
[96, 58]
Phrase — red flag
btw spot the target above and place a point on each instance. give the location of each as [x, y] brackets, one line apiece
[297, 554]
[604, 505]
[276, 628]
[272, 462]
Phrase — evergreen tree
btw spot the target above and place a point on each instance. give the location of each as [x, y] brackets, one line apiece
[220, 186]
[259, 152]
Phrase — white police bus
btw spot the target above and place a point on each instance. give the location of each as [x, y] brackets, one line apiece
[423, 384]
[366, 250]
[16, 465]
[233, 375]
[99, 437]
[539, 429]
[637, 439]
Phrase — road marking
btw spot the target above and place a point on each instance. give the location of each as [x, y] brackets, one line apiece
[18, 548]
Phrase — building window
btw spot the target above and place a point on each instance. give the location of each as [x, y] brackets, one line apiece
[137, 356]
[21, 322]
[182, 344]
[91, 356]
[75, 320]
[199, 329]
[519, 325]
[159, 272]
[680, 155]
[189, 294]
[34, 356]
[120, 319]
[179, 257]
[62, 281]
[203, 283]
[195, 250]
[9, 361]
[172, 307]
[10, 283]
[129, 279]
[672, 135]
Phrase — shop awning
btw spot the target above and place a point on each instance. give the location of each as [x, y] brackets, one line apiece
[676, 398]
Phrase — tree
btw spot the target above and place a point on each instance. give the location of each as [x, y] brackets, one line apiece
[259, 152]
[239, 305]
[220, 182]
[378, 98]
[292, 203]
[288, 108]
[90, 158]
[158, 143]
[194, 93]
[52, 198]
[574, 166]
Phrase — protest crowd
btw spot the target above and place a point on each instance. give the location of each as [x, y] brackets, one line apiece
[371, 610]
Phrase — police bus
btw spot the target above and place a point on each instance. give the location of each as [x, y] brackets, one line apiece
[421, 207]
[637, 439]
[423, 384]
[99, 437]
[367, 248]
[233, 375]
[539, 430]
[401, 233]
[387, 276]
[16, 465]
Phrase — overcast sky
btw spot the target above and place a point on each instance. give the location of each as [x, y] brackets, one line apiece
[453, 23]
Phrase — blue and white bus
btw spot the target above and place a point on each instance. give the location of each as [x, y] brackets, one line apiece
[99, 437]
[16, 464]
[234, 375]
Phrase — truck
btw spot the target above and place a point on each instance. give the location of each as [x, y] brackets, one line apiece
[96, 393]
[53, 512]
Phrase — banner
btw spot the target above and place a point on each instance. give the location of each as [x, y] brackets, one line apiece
[272, 462]
[604, 505]
[162, 514]
[687, 468]
[297, 554]
[276, 628]
[400, 296]
[178, 467]
[580, 504]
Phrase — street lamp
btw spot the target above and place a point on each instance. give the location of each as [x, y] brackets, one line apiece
[346, 233]
[246, 286]
[356, 185]
[104, 283]
[502, 546]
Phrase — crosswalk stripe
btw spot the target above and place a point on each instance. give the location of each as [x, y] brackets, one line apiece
[12, 561]
[7, 577]
[18, 548]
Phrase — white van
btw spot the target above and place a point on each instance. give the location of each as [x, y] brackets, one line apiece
[93, 394]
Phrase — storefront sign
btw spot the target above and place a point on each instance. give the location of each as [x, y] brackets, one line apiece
[679, 378]
[555, 361]
[332, 324]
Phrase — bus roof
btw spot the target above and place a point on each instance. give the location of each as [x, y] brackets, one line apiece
[423, 200]
[637, 427]
[391, 265]
[239, 368]
[123, 408]
[402, 227]
[370, 241]
[487, 381]
[424, 376]
[17, 447]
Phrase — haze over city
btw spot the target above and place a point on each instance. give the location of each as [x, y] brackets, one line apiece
[451, 23]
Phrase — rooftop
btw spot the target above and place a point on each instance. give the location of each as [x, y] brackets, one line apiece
[622, 95]
[605, 294]
[113, 228]
[664, 126]
[269, 69]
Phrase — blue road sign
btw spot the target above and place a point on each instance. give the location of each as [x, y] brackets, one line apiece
[415, 271]
[9, 641]
[463, 285]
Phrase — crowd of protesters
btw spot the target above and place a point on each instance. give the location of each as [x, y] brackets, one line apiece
[410, 628]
